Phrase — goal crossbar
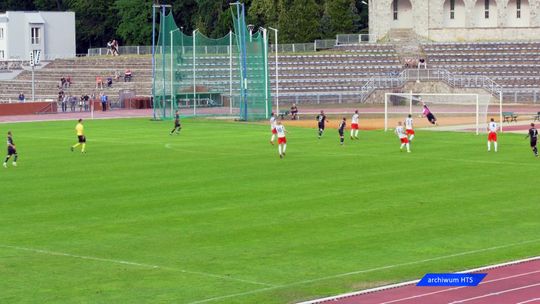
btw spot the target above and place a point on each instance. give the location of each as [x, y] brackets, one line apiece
[412, 96]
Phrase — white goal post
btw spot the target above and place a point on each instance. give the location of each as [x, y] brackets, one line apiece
[467, 109]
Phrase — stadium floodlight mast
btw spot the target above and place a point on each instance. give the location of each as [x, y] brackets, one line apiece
[173, 96]
[265, 41]
[276, 68]
[163, 7]
[194, 76]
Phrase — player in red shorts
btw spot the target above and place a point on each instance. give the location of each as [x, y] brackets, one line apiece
[354, 125]
[281, 139]
[273, 128]
[402, 137]
[492, 134]
[409, 130]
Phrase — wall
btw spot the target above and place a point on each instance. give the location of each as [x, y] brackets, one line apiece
[479, 34]
[28, 108]
[57, 34]
[431, 17]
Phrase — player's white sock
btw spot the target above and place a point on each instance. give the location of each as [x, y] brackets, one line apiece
[352, 133]
[408, 147]
[401, 148]
[273, 137]
[355, 133]
[279, 149]
[489, 146]
[411, 138]
[495, 146]
[284, 148]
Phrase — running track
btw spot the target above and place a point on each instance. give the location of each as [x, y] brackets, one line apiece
[516, 283]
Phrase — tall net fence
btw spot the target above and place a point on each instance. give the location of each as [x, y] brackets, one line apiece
[198, 75]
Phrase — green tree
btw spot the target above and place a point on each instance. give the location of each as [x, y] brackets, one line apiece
[342, 16]
[263, 13]
[299, 21]
[96, 22]
[50, 5]
[135, 21]
[16, 5]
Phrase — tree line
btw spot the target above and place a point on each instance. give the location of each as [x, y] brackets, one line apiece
[130, 21]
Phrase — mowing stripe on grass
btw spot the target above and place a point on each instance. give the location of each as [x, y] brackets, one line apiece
[143, 265]
[364, 271]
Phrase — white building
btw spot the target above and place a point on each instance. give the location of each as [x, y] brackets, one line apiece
[448, 20]
[52, 33]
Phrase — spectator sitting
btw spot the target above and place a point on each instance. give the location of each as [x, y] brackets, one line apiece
[127, 75]
[21, 97]
[63, 82]
[99, 82]
[68, 81]
[116, 76]
[294, 112]
[109, 82]
[422, 62]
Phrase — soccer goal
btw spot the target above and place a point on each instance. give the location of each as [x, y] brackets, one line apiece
[453, 112]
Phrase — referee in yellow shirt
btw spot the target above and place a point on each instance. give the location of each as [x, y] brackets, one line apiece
[82, 139]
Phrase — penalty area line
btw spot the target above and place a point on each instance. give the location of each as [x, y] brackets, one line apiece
[142, 265]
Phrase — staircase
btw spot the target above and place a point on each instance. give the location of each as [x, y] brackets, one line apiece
[407, 44]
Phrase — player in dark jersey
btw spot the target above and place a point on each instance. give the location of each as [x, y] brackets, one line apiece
[177, 126]
[341, 129]
[11, 151]
[533, 136]
[321, 120]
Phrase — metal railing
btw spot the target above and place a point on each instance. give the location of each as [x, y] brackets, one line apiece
[459, 81]
[356, 38]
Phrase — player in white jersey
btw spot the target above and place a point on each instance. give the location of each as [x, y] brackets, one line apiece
[402, 137]
[409, 129]
[354, 125]
[492, 134]
[281, 140]
[273, 128]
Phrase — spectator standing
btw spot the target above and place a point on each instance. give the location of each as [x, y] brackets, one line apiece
[21, 97]
[109, 48]
[294, 112]
[86, 98]
[72, 103]
[115, 48]
[65, 101]
[104, 100]
[109, 82]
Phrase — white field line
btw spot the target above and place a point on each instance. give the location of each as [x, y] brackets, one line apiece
[495, 293]
[366, 271]
[416, 281]
[530, 301]
[87, 117]
[142, 265]
[461, 287]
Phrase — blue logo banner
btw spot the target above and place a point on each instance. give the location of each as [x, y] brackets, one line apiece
[452, 279]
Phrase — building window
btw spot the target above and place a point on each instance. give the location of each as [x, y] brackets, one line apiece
[395, 7]
[35, 35]
[1, 33]
[486, 9]
[1, 54]
[452, 9]
[518, 7]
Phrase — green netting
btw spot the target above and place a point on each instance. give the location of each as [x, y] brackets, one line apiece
[198, 75]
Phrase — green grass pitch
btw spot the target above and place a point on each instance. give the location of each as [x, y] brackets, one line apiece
[214, 216]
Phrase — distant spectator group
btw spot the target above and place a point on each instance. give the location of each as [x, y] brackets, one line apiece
[112, 47]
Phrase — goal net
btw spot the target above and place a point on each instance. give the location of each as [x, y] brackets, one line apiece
[452, 112]
[198, 75]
